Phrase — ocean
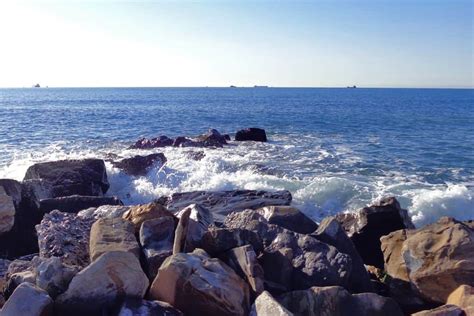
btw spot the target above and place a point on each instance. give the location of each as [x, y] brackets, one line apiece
[335, 150]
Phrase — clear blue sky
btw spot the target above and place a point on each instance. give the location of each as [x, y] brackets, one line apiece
[218, 43]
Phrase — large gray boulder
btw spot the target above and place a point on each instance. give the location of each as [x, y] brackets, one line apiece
[197, 225]
[27, 299]
[101, 286]
[197, 284]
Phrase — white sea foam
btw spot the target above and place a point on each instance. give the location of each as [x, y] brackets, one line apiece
[319, 177]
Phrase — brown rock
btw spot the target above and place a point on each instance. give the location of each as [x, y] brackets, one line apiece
[443, 310]
[463, 297]
[140, 213]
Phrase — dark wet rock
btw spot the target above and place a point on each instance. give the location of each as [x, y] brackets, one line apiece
[180, 140]
[253, 133]
[216, 241]
[66, 236]
[199, 285]
[139, 307]
[139, 213]
[244, 262]
[266, 305]
[197, 225]
[212, 139]
[7, 212]
[140, 165]
[435, 259]
[156, 238]
[221, 203]
[196, 155]
[102, 285]
[366, 226]
[336, 301]
[12, 188]
[443, 310]
[299, 261]
[144, 143]
[288, 217]
[332, 233]
[76, 203]
[27, 299]
[86, 177]
[112, 234]
[227, 137]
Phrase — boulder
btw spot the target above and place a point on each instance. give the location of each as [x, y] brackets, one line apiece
[7, 212]
[266, 305]
[439, 258]
[101, 286]
[299, 262]
[196, 155]
[288, 217]
[69, 177]
[197, 225]
[156, 238]
[221, 203]
[132, 307]
[216, 241]
[463, 297]
[13, 189]
[443, 310]
[14, 280]
[366, 226]
[140, 165]
[332, 233]
[112, 234]
[244, 262]
[199, 285]
[66, 236]
[212, 139]
[103, 211]
[27, 299]
[140, 213]
[53, 276]
[253, 133]
[336, 301]
[76, 203]
[160, 141]
[181, 232]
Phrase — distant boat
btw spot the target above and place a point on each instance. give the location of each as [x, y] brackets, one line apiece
[260, 86]
[353, 87]
[37, 86]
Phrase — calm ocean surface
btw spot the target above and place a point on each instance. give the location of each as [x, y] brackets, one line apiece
[334, 149]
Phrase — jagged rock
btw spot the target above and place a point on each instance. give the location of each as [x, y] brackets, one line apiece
[299, 261]
[196, 155]
[112, 234]
[443, 310]
[140, 165]
[216, 241]
[156, 238]
[29, 300]
[198, 223]
[112, 277]
[266, 305]
[69, 177]
[366, 226]
[76, 203]
[181, 232]
[53, 276]
[147, 308]
[244, 262]
[438, 258]
[14, 280]
[66, 236]
[253, 133]
[104, 211]
[7, 212]
[160, 141]
[140, 213]
[12, 188]
[212, 139]
[288, 217]
[199, 285]
[336, 301]
[332, 233]
[221, 203]
[463, 297]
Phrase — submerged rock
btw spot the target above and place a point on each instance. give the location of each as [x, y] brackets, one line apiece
[199, 285]
[366, 226]
[76, 203]
[253, 133]
[160, 141]
[101, 286]
[221, 203]
[140, 165]
[27, 299]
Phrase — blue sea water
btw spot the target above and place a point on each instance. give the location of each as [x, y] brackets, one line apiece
[334, 149]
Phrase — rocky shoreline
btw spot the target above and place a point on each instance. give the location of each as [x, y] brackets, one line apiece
[68, 249]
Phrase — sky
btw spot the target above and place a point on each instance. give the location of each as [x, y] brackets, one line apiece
[334, 43]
